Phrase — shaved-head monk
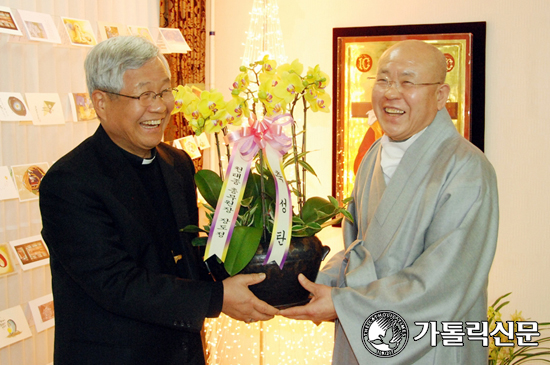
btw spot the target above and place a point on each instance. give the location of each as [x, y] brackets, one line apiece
[410, 287]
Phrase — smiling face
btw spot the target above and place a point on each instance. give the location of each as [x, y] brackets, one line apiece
[132, 127]
[403, 114]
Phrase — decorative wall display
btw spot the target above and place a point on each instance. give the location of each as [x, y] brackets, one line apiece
[355, 60]
[189, 145]
[43, 312]
[108, 30]
[202, 141]
[82, 107]
[7, 187]
[45, 108]
[8, 24]
[31, 252]
[142, 32]
[13, 326]
[13, 108]
[7, 265]
[27, 179]
[174, 41]
[39, 26]
[79, 31]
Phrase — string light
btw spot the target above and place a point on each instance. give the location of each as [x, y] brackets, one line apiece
[274, 342]
[264, 34]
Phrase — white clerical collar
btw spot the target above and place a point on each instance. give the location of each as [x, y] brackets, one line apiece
[393, 152]
[147, 161]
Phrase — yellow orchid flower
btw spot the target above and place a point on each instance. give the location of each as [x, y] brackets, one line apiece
[295, 67]
[317, 78]
[236, 109]
[268, 66]
[211, 103]
[318, 100]
[178, 93]
[289, 87]
[241, 81]
[216, 122]
[517, 317]
[273, 104]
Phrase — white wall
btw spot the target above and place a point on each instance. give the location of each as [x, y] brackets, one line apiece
[516, 121]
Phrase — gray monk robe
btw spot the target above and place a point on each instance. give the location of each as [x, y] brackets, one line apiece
[422, 247]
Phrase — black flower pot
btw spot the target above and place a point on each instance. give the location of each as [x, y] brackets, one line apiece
[281, 288]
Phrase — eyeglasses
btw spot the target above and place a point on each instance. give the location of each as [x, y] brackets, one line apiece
[148, 97]
[403, 86]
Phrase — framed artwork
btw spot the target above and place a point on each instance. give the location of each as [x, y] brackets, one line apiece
[31, 252]
[13, 107]
[174, 41]
[109, 30]
[82, 108]
[43, 313]
[27, 179]
[8, 24]
[13, 326]
[80, 32]
[355, 60]
[45, 108]
[39, 26]
[6, 262]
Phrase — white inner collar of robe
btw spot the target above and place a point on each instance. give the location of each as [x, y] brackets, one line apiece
[392, 153]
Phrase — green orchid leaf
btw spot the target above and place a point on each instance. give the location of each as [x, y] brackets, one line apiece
[208, 207]
[334, 201]
[313, 225]
[199, 241]
[307, 166]
[314, 205]
[192, 229]
[243, 246]
[269, 185]
[331, 222]
[502, 305]
[499, 298]
[252, 188]
[289, 158]
[209, 185]
[347, 214]
[347, 200]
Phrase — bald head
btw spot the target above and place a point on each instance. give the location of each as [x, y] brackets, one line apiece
[410, 88]
[419, 53]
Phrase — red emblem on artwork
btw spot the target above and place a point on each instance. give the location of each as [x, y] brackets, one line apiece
[450, 62]
[3, 261]
[364, 63]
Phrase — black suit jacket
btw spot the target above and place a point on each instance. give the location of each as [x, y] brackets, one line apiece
[117, 297]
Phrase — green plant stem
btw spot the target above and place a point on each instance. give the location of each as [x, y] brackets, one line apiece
[295, 157]
[227, 149]
[220, 167]
[297, 168]
[304, 129]
[262, 194]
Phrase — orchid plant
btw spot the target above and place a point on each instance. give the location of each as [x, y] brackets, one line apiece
[509, 352]
[261, 94]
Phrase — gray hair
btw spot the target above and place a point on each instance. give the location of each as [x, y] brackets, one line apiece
[107, 62]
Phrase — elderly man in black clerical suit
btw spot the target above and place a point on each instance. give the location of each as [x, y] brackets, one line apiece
[128, 287]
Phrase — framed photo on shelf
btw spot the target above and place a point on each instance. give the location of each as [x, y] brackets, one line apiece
[8, 24]
[356, 52]
[31, 252]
